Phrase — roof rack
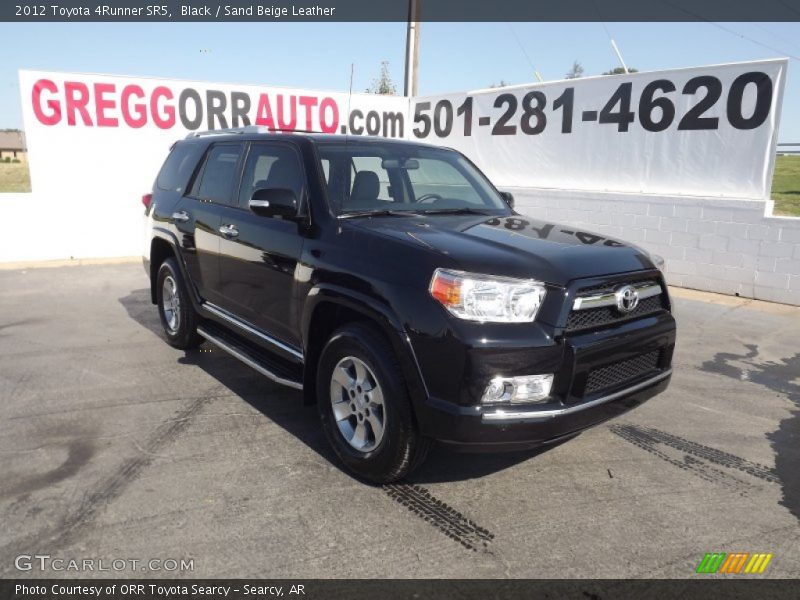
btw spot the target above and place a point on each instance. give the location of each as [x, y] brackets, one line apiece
[247, 129]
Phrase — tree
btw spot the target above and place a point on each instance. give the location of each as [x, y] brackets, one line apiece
[575, 72]
[620, 71]
[383, 84]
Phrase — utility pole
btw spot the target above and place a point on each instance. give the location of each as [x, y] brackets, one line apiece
[412, 48]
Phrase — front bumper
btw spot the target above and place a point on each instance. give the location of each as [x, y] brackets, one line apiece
[483, 431]
[573, 406]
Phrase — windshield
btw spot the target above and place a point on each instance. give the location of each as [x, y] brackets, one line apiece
[365, 178]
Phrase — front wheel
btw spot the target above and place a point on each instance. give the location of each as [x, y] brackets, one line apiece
[364, 406]
[178, 317]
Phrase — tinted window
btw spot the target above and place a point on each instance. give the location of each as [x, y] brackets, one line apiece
[326, 169]
[366, 168]
[440, 178]
[271, 166]
[178, 167]
[219, 173]
[404, 177]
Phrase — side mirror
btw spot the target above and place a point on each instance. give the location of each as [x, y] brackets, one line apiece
[509, 198]
[274, 202]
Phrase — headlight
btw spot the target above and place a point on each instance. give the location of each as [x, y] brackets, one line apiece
[487, 298]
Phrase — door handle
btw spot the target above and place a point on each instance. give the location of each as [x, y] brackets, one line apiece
[180, 216]
[229, 231]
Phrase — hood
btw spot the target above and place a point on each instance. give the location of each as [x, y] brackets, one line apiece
[513, 246]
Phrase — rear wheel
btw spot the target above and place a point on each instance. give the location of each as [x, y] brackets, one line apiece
[364, 406]
[178, 317]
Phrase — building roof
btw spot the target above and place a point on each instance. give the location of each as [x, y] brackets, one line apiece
[12, 140]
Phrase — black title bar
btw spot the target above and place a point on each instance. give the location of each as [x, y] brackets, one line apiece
[398, 10]
[400, 589]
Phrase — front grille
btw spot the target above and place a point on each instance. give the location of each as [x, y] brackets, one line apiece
[604, 315]
[595, 317]
[622, 372]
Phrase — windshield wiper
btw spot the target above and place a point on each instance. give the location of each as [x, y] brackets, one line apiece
[376, 213]
[453, 211]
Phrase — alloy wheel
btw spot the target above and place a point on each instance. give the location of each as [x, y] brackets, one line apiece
[171, 303]
[358, 404]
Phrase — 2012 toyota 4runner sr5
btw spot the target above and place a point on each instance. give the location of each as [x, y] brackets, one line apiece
[398, 288]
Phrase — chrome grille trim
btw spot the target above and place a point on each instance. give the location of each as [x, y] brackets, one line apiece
[647, 290]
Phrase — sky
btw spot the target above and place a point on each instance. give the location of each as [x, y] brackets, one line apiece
[453, 56]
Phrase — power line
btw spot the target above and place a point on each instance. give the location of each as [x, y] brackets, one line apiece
[789, 6]
[731, 31]
[752, 41]
[605, 28]
[778, 35]
[610, 38]
[521, 47]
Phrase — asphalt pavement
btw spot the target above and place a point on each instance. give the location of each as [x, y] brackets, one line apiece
[115, 446]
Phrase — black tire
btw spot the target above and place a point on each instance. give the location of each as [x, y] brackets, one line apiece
[402, 448]
[180, 333]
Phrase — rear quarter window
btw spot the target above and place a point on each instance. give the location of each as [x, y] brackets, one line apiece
[178, 168]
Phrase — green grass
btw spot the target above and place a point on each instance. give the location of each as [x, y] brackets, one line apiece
[786, 186]
[14, 177]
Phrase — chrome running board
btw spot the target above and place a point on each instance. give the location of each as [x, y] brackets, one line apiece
[248, 359]
[245, 326]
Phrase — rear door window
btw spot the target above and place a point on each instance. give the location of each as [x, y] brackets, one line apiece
[219, 174]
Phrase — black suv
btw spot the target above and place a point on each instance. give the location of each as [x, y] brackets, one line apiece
[396, 286]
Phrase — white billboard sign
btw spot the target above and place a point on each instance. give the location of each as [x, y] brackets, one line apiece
[705, 131]
[96, 142]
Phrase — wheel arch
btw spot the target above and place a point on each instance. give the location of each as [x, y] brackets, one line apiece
[330, 307]
[164, 245]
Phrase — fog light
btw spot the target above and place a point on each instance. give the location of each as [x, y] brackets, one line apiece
[527, 388]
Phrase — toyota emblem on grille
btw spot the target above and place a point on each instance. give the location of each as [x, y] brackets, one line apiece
[627, 298]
